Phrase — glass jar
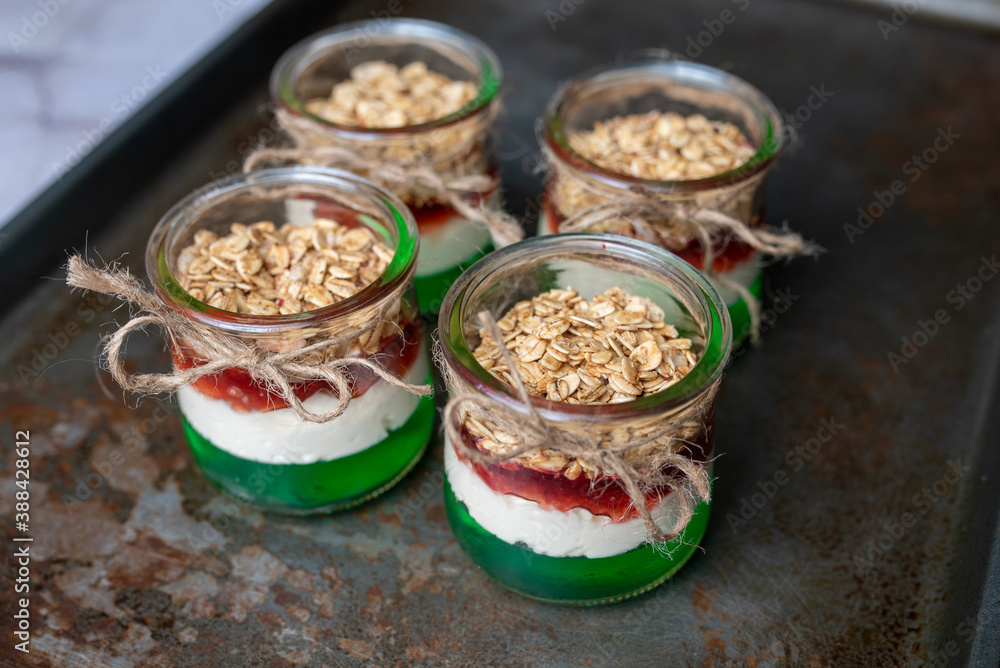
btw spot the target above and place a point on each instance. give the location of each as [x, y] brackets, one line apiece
[539, 532]
[245, 436]
[454, 146]
[575, 183]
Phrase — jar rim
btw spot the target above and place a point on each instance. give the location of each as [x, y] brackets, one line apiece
[166, 286]
[552, 134]
[718, 327]
[313, 48]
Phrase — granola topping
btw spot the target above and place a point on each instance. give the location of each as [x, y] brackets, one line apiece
[657, 146]
[263, 270]
[380, 95]
[611, 349]
[664, 146]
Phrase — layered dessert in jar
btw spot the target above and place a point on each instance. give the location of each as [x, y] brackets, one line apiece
[417, 97]
[695, 141]
[321, 294]
[607, 365]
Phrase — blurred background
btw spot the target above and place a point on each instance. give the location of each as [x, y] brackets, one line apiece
[74, 70]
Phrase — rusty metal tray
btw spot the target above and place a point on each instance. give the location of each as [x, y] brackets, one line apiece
[855, 521]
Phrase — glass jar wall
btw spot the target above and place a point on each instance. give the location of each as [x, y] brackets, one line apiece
[545, 524]
[243, 433]
[690, 136]
[414, 58]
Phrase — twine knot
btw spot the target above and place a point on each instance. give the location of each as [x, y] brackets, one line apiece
[274, 370]
[638, 206]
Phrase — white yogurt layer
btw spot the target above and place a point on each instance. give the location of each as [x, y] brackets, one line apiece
[300, 211]
[280, 437]
[743, 274]
[576, 533]
[448, 244]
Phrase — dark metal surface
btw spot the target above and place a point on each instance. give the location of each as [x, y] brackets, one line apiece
[845, 531]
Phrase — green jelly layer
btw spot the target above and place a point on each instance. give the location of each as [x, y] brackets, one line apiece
[320, 487]
[739, 312]
[432, 288]
[573, 580]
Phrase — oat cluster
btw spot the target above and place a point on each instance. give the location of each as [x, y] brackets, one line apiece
[611, 349]
[263, 270]
[380, 95]
[664, 146]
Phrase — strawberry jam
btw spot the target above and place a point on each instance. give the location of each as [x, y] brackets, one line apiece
[603, 495]
[396, 354]
[428, 217]
[433, 216]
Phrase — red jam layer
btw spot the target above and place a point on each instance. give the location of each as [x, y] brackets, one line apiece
[603, 495]
[396, 353]
[729, 250]
[432, 217]
[428, 217]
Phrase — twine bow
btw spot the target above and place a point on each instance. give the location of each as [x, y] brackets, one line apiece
[274, 370]
[687, 479]
[640, 206]
[394, 175]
